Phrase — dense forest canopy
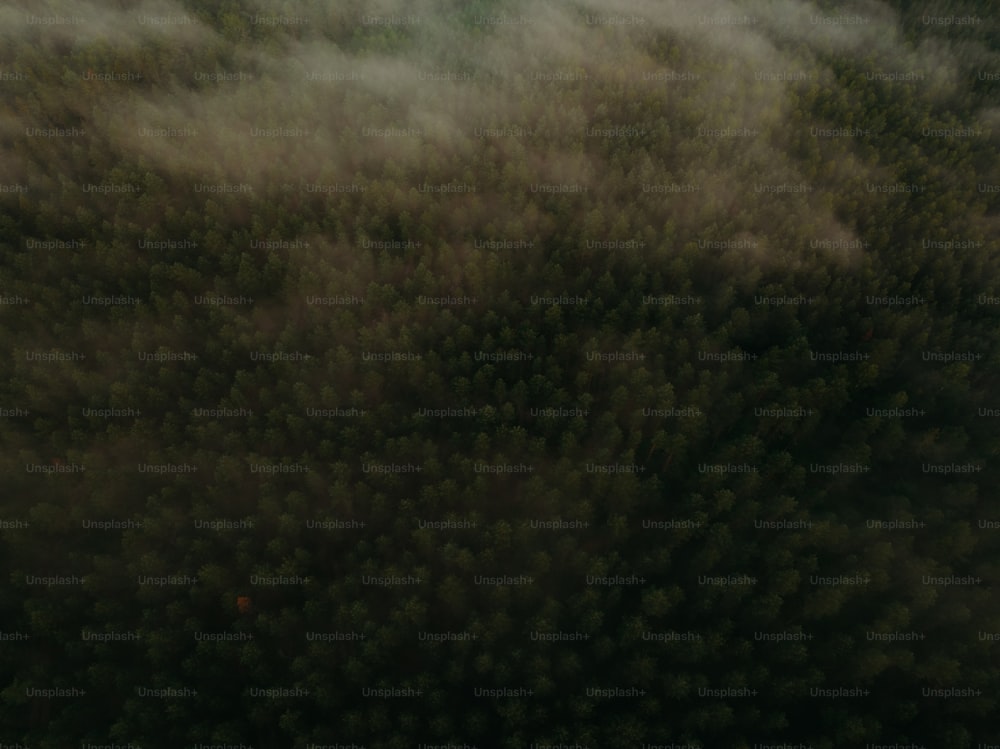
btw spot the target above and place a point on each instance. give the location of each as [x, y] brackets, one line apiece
[499, 373]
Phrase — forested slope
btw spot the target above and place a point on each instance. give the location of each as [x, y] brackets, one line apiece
[638, 362]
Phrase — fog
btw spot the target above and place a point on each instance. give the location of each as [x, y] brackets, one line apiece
[353, 112]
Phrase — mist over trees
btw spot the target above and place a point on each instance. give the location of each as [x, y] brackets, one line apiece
[499, 374]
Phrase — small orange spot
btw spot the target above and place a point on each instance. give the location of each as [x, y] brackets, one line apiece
[244, 604]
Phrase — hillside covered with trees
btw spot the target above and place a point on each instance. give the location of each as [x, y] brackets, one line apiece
[499, 374]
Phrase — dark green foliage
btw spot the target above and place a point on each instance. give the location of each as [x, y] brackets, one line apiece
[725, 378]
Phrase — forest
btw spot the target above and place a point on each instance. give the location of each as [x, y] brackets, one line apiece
[499, 374]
